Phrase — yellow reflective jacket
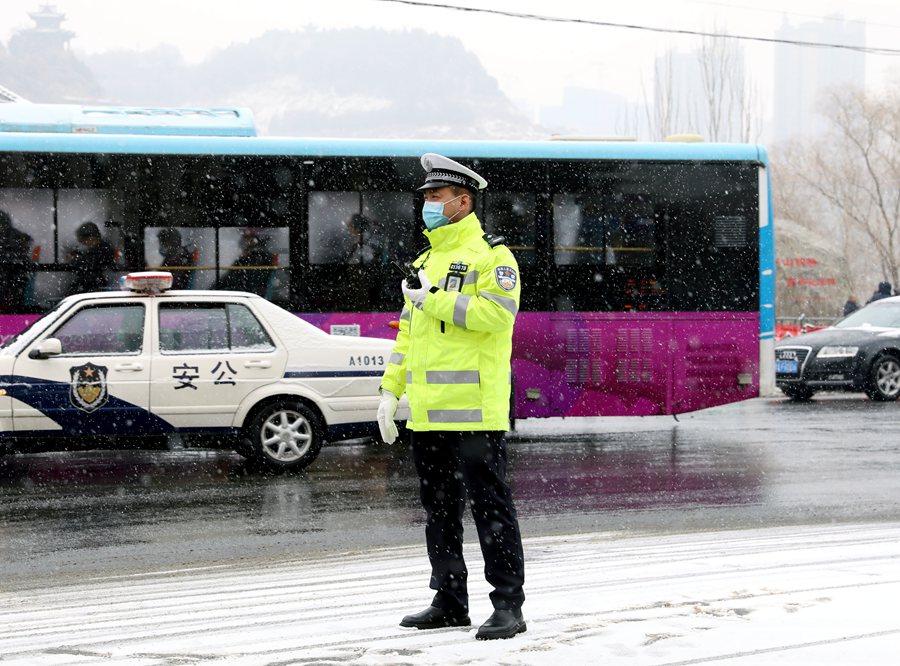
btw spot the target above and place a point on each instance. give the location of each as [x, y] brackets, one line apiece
[452, 355]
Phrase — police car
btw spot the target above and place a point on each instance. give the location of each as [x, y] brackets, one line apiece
[215, 367]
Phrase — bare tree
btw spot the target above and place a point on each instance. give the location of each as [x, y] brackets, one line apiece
[664, 113]
[722, 77]
[709, 94]
[732, 106]
[854, 172]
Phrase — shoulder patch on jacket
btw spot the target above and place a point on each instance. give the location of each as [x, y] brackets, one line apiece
[506, 277]
[493, 240]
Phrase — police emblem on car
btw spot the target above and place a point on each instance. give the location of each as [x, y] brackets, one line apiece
[506, 277]
[88, 388]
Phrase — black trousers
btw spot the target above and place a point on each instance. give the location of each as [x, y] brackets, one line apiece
[455, 467]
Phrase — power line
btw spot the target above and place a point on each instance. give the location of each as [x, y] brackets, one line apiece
[786, 13]
[646, 28]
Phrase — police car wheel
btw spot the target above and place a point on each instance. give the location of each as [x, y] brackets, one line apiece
[884, 379]
[284, 435]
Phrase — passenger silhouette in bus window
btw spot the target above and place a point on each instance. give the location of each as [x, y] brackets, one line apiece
[90, 261]
[363, 245]
[15, 261]
[176, 257]
[253, 269]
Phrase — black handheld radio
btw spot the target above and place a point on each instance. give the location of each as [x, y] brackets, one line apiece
[409, 273]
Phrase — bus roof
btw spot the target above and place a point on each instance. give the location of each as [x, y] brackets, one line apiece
[325, 147]
[125, 120]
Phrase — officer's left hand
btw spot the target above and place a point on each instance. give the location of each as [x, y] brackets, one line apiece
[387, 409]
[417, 296]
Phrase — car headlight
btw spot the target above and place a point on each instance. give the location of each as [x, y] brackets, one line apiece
[837, 352]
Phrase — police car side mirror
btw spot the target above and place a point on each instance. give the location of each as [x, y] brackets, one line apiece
[47, 348]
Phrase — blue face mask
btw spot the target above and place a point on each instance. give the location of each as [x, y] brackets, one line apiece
[433, 213]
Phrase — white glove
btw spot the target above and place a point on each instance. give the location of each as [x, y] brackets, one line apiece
[386, 410]
[417, 296]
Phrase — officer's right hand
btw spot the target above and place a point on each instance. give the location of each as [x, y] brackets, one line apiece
[386, 410]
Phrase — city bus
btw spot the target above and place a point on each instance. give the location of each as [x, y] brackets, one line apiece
[647, 268]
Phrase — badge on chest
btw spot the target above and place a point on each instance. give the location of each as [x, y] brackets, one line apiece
[456, 276]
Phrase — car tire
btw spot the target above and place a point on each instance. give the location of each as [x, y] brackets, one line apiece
[883, 382]
[798, 392]
[282, 435]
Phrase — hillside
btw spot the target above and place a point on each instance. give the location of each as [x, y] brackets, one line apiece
[353, 82]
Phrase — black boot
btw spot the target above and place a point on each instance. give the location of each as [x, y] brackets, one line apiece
[502, 623]
[433, 618]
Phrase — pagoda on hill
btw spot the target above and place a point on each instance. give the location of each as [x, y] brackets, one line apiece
[47, 33]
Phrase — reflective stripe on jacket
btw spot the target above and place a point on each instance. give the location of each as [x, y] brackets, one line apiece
[452, 356]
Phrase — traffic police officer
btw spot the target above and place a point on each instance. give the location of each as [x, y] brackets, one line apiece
[452, 359]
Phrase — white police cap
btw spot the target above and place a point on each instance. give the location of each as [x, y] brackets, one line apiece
[442, 171]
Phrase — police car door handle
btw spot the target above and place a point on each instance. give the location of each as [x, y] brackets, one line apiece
[129, 367]
[257, 364]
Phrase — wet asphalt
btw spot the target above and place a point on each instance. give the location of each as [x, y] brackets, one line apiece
[766, 462]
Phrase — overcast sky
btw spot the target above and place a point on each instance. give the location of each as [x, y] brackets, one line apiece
[532, 60]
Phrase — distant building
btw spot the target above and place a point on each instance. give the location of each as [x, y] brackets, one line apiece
[586, 111]
[41, 67]
[803, 74]
[47, 35]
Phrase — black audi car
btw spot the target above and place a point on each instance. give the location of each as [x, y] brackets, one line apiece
[859, 353]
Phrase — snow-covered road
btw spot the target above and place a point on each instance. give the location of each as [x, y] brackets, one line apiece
[786, 595]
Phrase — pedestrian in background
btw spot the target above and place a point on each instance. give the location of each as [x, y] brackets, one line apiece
[851, 305]
[452, 359]
[883, 291]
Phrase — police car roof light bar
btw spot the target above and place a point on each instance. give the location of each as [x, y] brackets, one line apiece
[147, 282]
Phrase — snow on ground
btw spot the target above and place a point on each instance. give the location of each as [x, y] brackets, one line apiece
[787, 595]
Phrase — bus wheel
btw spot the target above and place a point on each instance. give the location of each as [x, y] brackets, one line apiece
[799, 393]
[884, 379]
[285, 434]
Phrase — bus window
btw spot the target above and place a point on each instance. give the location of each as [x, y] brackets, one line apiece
[77, 206]
[327, 214]
[359, 227]
[597, 229]
[32, 211]
[189, 253]
[577, 231]
[630, 231]
[512, 215]
[391, 224]
[255, 260]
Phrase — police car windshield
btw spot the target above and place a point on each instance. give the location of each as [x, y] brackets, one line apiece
[879, 315]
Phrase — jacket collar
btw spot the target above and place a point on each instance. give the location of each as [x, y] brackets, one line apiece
[455, 234]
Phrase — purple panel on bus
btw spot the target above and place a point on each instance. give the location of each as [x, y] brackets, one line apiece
[600, 364]
[615, 364]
